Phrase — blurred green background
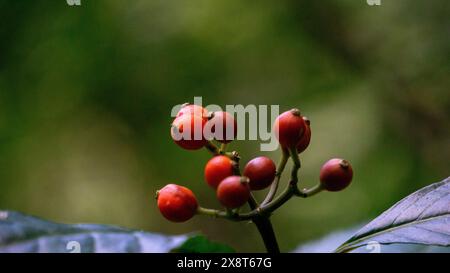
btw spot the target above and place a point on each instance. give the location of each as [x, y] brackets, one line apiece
[86, 94]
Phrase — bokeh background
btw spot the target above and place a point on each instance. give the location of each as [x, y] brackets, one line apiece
[86, 94]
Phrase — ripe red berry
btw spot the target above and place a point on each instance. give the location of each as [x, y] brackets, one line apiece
[223, 127]
[233, 191]
[336, 174]
[261, 172]
[192, 109]
[187, 132]
[176, 203]
[306, 138]
[217, 169]
[289, 128]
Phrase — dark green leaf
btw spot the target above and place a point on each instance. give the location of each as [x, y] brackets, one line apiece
[421, 218]
[331, 241]
[200, 244]
[22, 233]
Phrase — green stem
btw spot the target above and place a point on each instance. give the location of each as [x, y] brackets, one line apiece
[276, 182]
[297, 165]
[211, 212]
[211, 147]
[280, 200]
[262, 223]
[223, 147]
[253, 204]
[291, 189]
[259, 214]
[310, 192]
[265, 228]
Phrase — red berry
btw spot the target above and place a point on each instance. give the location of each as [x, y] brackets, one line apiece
[289, 128]
[223, 127]
[176, 203]
[217, 169]
[192, 109]
[187, 132]
[233, 191]
[261, 172]
[336, 174]
[306, 138]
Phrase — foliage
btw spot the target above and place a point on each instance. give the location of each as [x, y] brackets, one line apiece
[23, 233]
[421, 218]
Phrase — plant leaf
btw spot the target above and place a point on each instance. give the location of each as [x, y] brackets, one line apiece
[23, 233]
[421, 218]
[329, 242]
[200, 244]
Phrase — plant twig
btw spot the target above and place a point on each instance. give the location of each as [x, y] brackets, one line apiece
[212, 148]
[310, 192]
[265, 228]
[275, 183]
[223, 147]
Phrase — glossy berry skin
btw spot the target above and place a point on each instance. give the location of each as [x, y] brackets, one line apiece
[336, 174]
[289, 128]
[176, 203]
[217, 169]
[192, 109]
[233, 191]
[306, 138]
[223, 127]
[187, 132]
[261, 172]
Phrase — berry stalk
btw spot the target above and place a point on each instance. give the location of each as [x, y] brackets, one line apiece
[262, 222]
[276, 182]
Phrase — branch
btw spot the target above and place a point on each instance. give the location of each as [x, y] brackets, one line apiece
[280, 169]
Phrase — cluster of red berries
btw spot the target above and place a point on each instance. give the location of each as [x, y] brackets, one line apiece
[293, 131]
